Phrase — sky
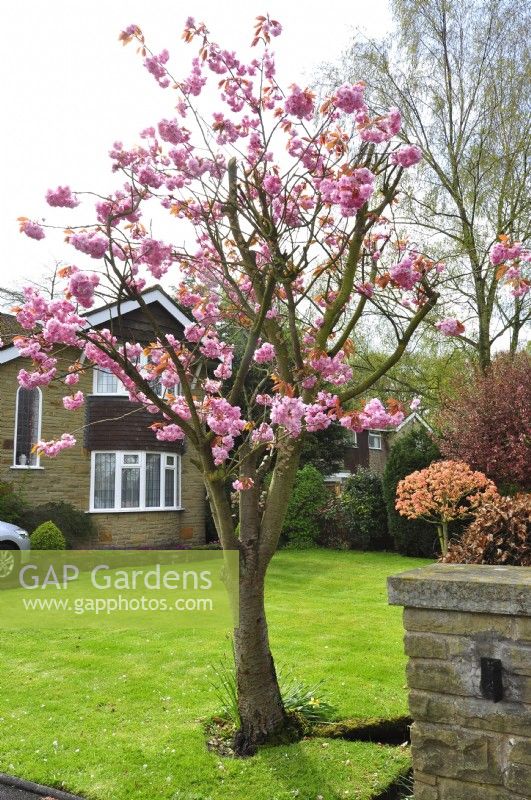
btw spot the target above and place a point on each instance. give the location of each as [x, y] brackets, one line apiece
[70, 89]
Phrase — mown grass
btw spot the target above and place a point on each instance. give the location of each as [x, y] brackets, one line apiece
[119, 716]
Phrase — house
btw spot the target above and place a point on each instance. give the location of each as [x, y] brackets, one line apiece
[139, 491]
[370, 449]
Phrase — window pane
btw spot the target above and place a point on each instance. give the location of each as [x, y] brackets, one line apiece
[152, 480]
[27, 426]
[104, 475]
[375, 441]
[131, 459]
[170, 460]
[106, 382]
[169, 488]
[130, 487]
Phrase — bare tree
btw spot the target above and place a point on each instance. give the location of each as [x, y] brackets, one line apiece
[460, 73]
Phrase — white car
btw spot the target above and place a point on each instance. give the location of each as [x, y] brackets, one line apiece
[13, 538]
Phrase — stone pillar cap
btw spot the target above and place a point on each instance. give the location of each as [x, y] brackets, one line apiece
[464, 587]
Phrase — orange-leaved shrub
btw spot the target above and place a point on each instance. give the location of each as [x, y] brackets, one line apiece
[442, 493]
[499, 534]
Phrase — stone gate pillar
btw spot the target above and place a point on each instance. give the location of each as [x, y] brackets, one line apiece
[468, 638]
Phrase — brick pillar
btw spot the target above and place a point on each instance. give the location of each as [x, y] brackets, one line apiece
[468, 638]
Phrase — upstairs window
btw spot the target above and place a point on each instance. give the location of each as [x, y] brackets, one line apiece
[375, 440]
[27, 427]
[107, 383]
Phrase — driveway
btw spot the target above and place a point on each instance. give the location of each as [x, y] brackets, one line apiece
[11, 793]
[17, 789]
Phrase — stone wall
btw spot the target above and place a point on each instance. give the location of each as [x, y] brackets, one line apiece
[67, 477]
[467, 743]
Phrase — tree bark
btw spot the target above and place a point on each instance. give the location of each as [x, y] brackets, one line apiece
[262, 715]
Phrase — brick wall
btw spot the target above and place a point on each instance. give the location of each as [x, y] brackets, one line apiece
[468, 744]
[68, 476]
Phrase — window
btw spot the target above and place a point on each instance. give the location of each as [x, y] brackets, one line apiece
[27, 427]
[123, 481]
[106, 383]
[375, 440]
[354, 439]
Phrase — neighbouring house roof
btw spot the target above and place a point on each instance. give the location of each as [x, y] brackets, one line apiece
[9, 327]
[99, 316]
[414, 417]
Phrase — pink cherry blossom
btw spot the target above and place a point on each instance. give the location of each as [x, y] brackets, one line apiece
[450, 326]
[156, 66]
[406, 156]
[265, 353]
[349, 97]
[61, 197]
[415, 403]
[300, 103]
[169, 433]
[242, 484]
[71, 402]
[54, 446]
[93, 243]
[288, 412]
[32, 229]
[82, 286]
[263, 434]
[272, 184]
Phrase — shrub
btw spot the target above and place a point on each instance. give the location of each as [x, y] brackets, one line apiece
[12, 505]
[442, 493]
[77, 527]
[309, 496]
[48, 537]
[356, 520]
[500, 534]
[333, 527]
[487, 422]
[409, 452]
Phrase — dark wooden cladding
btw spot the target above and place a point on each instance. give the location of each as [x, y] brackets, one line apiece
[135, 326]
[358, 456]
[114, 423]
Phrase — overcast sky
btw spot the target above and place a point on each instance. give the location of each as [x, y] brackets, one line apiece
[69, 89]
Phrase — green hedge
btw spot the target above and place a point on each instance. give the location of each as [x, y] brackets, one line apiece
[12, 504]
[412, 451]
[357, 519]
[47, 537]
[301, 526]
[77, 527]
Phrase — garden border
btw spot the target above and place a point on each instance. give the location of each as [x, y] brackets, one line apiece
[36, 788]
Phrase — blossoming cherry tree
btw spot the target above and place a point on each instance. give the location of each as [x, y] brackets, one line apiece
[283, 243]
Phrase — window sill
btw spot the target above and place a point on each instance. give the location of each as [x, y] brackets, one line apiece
[131, 510]
[19, 466]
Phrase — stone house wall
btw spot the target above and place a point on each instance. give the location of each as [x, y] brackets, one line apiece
[67, 477]
[471, 737]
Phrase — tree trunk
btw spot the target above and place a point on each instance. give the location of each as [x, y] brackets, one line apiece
[443, 537]
[262, 715]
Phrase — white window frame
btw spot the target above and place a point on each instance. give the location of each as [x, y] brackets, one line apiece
[380, 440]
[354, 440]
[119, 464]
[37, 464]
[120, 388]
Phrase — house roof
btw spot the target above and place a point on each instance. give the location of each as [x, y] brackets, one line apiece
[98, 316]
[414, 417]
[9, 328]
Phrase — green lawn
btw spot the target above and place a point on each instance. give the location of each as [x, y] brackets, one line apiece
[118, 716]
